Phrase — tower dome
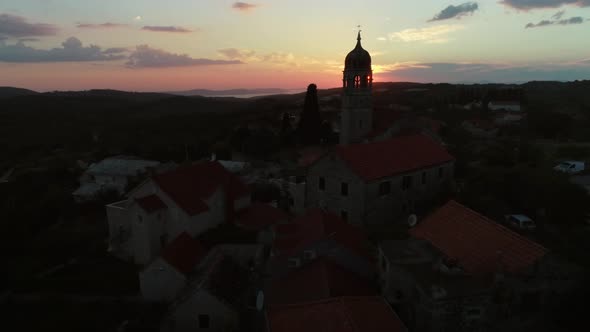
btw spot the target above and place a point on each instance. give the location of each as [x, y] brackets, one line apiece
[358, 58]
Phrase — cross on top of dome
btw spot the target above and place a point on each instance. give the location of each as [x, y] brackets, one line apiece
[358, 58]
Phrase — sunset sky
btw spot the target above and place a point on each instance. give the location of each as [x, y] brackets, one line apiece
[153, 45]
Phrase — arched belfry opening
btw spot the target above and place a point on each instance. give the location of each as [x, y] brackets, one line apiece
[357, 83]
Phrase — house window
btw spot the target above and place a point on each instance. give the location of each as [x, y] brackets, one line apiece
[423, 177]
[204, 321]
[440, 172]
[344, 215]
[406, 182]
[344, 189]
[384, 188]
[322, 184]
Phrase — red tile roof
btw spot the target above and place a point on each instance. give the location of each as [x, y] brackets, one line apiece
[345, 314]
[183, 253]
[317, 225]
[151, 203]
[190, 186]
[318, 280]
[475, 241]
[372, 161]
[260, 215]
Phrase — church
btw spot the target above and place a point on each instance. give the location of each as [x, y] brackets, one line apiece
[375, 178]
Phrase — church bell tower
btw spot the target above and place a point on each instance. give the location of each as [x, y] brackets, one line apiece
[357, 106]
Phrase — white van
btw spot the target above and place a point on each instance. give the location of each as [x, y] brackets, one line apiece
[570, 167]
[520, 222]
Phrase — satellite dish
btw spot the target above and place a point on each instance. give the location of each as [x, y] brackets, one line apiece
[412, 220]
[260, 301]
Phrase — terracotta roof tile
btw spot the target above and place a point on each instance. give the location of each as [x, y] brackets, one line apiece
[372, 161]
[151, 203]
[345, 314]
[318, 280]
[183, 253]
[190, 186]
[260, 215]
[476, 242]
[316, 225]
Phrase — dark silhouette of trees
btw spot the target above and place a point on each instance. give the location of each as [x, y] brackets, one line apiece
[309, 128]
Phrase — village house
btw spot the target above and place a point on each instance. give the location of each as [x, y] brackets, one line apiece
[480, 128]
[464, 272]
[380, 182]
[504, 105]
[221, 296]
[190, 199]
[340, 314]
[112, 174]
[318, 256]
[165, 276]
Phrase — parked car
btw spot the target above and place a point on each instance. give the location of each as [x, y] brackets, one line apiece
[520, 222]
[570, 167]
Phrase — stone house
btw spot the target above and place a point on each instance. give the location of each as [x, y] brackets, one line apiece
[379, 182]
[190, 199]
[463, 272]
[165, 276]
[480, 128]
[218, 295]
[504, 105]
[319, 256]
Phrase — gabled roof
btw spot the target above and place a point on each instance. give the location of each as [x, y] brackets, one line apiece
[344, 314]
[478, 244]
[314, 226]
[151, 203]
[318, 280]
[375, 160]
[183, 253]
[190, 186]
[259, 215]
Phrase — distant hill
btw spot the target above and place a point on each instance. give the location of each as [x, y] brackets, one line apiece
[9, 92]
[233, 92]
[135, 96]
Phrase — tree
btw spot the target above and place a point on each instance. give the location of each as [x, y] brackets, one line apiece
[309, 128]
